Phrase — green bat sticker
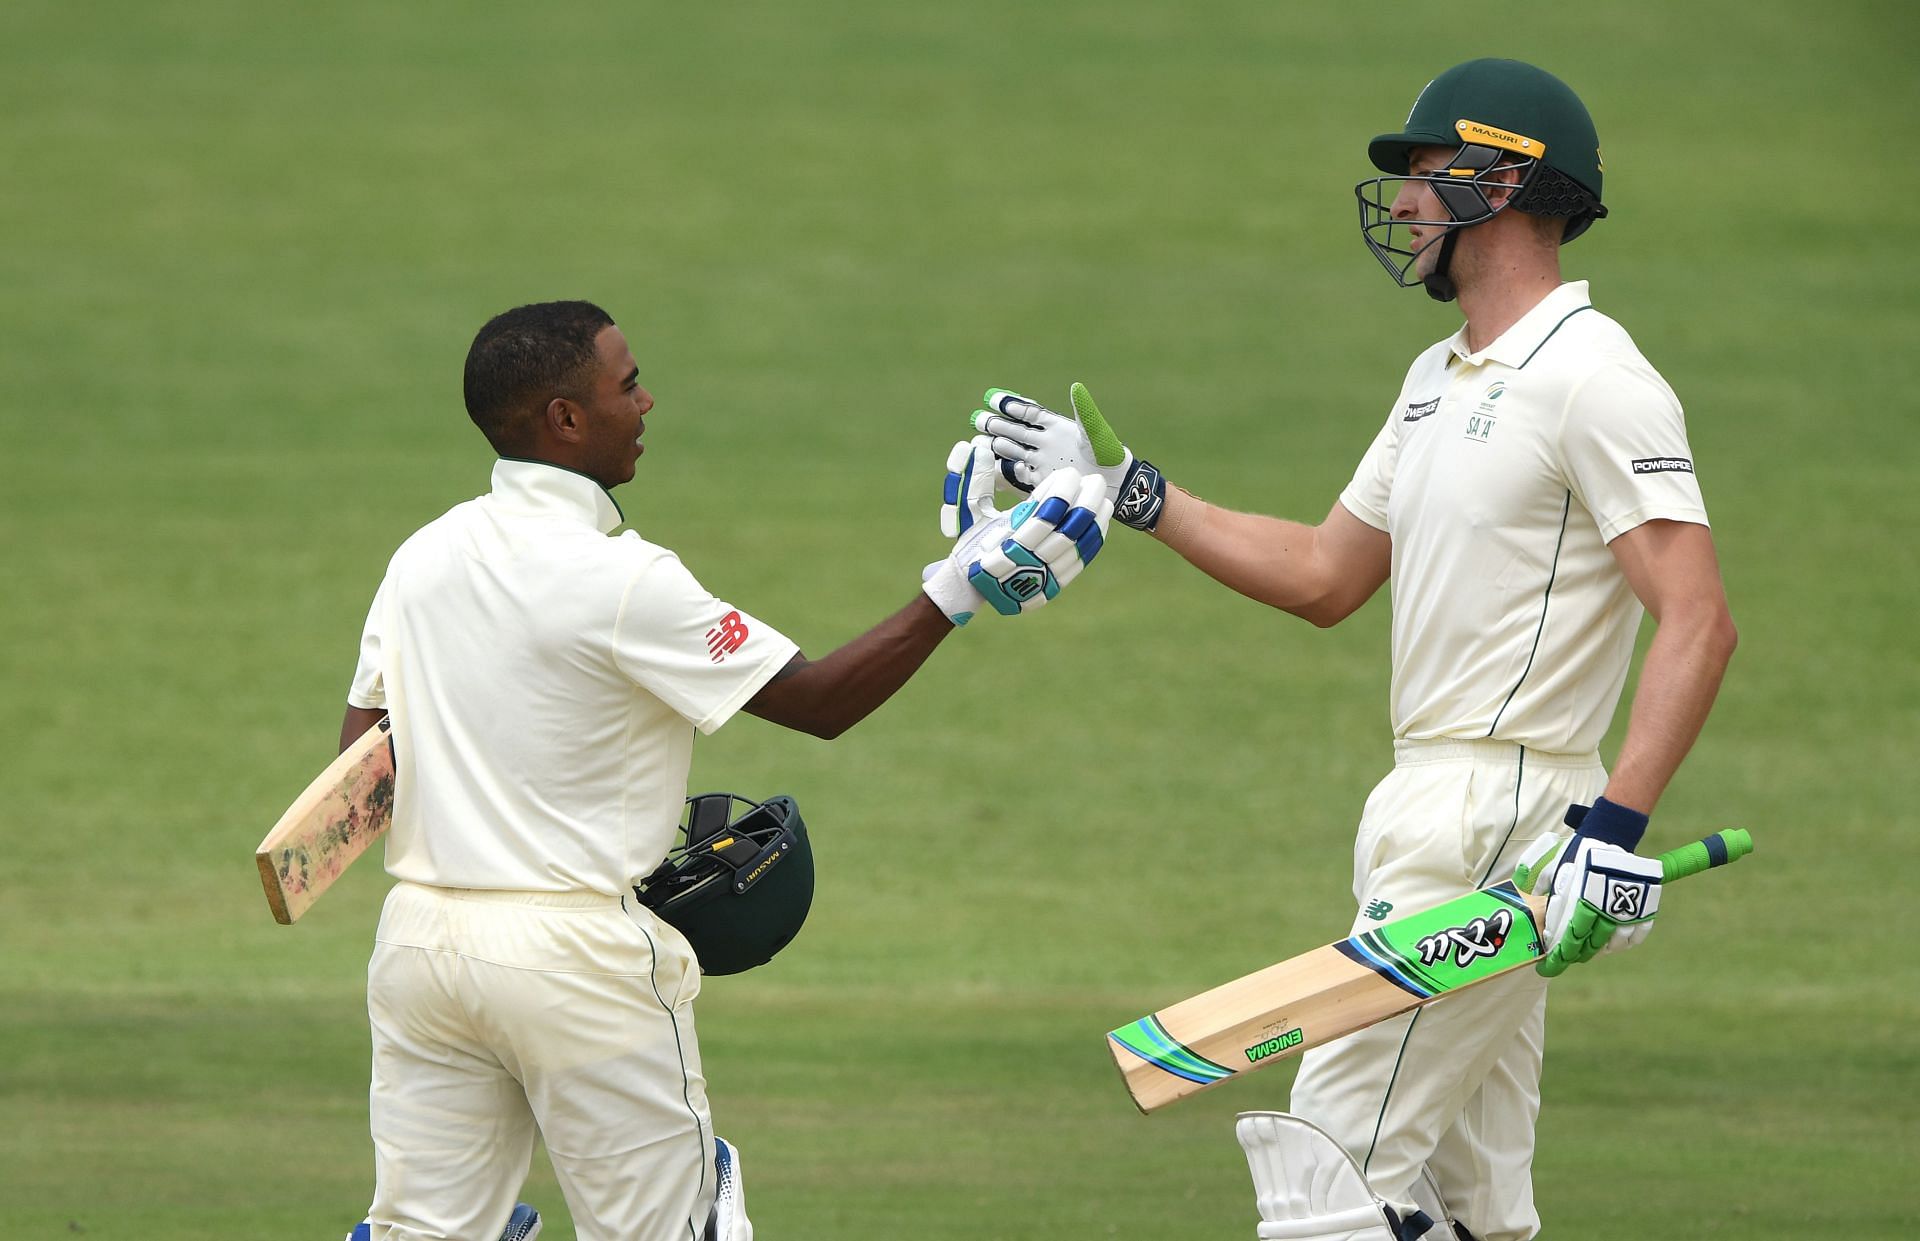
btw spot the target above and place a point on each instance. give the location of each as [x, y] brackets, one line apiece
[1451, 945]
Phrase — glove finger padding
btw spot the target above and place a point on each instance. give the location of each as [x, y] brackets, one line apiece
[966, 496]
[1067, 532]
[1037, 558]
[1585, 937]
[1598, 891]
[1032, 441]
[1022, 408]
[1018, 474]
[1015, 440]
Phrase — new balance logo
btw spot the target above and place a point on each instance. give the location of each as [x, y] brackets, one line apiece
[726, 637]
[1481, 937]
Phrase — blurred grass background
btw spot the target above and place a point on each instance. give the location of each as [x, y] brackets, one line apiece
[242, 251]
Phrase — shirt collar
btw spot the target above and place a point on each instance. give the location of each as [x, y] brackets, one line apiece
[548, 490]
[1515, 345]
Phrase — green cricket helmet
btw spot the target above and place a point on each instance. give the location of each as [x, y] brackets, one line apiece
[741, 882]
[1520, 133]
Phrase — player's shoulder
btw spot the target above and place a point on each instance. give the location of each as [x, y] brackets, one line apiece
[1600, 336]
[1585, 342]
[1430, 363]
[1614, 367]
[431, 537]
[1591, 363]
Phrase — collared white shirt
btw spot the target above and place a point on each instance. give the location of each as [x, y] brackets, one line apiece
[1502, 476]
[545, 682]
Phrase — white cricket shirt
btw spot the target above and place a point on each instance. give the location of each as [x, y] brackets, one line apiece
[544, 682]
[1502, 476]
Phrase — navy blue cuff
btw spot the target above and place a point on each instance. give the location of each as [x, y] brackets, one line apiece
[1609, 821]
[1143, 493]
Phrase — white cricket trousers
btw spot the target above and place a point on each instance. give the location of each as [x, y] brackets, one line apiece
[494, 1013]
[1455, 1086]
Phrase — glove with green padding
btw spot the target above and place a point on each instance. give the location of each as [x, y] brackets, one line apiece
[1602, 897]
[1031, 441]
[1589, 928]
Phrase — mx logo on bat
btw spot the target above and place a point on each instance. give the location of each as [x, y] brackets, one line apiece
[1482, 937]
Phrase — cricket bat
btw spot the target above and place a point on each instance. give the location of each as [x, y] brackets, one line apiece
[1278, 1012]
[344, 810]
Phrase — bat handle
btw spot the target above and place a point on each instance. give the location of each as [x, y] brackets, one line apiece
[1716, 850]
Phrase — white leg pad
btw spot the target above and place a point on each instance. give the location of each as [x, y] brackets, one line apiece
[1307, 1187]
[729, 1220]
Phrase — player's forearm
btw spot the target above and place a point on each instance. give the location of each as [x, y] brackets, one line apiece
[1678, 684]
[825, 697]
[1268, 559]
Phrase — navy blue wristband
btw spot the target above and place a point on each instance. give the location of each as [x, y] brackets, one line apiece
[1143, 493]
[1608, 821]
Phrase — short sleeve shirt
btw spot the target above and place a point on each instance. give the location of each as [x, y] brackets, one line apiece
[1502, 476]
[545, 682]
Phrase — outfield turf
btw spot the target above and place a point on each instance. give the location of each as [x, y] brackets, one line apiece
[243, 248]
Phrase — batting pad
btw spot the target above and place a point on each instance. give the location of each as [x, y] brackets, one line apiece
[1307, 1187]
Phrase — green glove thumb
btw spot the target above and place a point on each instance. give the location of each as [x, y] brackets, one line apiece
[1537, 863]
[1107, 449]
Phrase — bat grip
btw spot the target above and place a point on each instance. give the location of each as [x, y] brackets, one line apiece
[1716, 850]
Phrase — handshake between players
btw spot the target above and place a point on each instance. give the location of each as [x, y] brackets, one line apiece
[1602, 895]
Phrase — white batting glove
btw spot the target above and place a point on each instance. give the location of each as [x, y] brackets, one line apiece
[1013, 562]
[1602, 898]
[1030, 442]
[966, 497]
[966, 514]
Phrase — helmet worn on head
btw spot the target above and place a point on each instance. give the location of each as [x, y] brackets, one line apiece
[1506, 104]
[741, 882]
[1514, 125]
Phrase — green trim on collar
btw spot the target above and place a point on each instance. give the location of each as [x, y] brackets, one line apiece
[1549, 336]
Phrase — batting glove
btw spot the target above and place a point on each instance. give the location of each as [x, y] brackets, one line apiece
[1017, 561]
[1030, 442]
[1602, 897]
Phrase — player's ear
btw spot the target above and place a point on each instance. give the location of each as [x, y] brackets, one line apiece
[563, 419]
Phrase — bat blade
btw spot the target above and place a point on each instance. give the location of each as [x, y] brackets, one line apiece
[346, 808]
[1278, 1012]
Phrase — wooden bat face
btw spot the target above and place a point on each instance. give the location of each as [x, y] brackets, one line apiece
[346, 808]
[1280, 1011]
[1319, 996]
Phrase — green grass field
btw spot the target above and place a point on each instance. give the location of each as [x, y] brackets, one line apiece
[242, 251]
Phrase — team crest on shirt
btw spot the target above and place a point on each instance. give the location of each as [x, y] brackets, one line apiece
[1485, 416]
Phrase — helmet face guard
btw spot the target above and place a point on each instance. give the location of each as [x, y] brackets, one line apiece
[740, 884]
[1521, 138]
[1476, 185]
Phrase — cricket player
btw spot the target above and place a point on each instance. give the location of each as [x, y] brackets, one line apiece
[1529, 493]
[545, 682]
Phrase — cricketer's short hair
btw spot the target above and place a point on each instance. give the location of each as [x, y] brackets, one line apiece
[524, 358]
